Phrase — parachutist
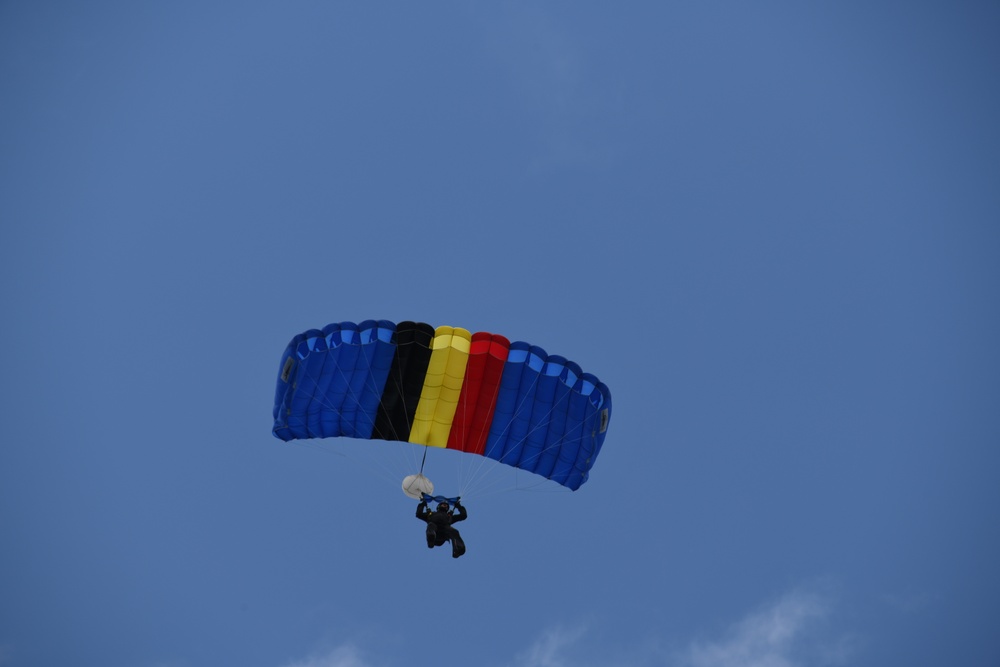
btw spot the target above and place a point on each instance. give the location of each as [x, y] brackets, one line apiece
[439, 526]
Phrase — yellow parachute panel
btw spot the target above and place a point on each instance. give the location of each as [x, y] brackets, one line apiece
[442, 387]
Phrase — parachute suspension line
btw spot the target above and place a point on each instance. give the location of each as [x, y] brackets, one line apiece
[466, 466]
[405, 459]
[399, 380]
[384, 470]
[478, 480]
[478, 475]
[404, 449]
[389, 468]
[485, 485]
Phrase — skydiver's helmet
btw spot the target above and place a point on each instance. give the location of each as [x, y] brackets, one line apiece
[443, 507]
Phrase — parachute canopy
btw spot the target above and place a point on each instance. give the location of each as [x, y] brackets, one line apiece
[477, 393]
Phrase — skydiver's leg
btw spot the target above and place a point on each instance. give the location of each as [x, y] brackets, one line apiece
[457, 544]
[432, 536]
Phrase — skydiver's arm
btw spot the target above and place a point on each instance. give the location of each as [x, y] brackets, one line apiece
[462, 514]
[422, 510]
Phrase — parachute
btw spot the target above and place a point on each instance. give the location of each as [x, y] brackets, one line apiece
[443, 388]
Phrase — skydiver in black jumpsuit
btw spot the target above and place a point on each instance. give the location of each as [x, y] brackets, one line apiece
[439, 526]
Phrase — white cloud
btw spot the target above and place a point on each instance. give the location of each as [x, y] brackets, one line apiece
[790, 632]
[343, 656]
[783, 634]
[549, 650]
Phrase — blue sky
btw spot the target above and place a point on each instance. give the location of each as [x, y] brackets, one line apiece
[771, 229]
